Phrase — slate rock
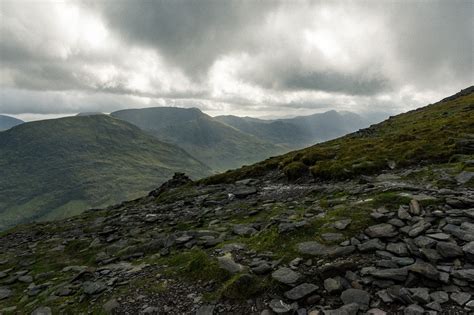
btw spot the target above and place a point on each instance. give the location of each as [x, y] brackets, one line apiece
[420, 295]
[205, 309]
[342, 224]
[243, 230]
[301, 291]
[333, 285]
[5, 293]
[460, 297]
[413, 309]
[425, 269]
[91, 287]
[468, 250]
[398, 274]
[110, 306]
[439, 296]
[399, 249]
[381, 230]
[332, 237]
[280, 307]
[286, 275]
[360, 297]
[465, 274]
[371, 245]
[227, 263]
[449, 250]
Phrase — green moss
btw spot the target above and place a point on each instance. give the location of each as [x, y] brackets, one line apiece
[390, 200]
[242, 287]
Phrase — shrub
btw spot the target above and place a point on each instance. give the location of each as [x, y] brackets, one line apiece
[295, 170]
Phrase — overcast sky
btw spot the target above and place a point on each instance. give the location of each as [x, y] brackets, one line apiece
[256, 58]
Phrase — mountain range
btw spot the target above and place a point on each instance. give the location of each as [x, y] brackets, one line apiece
[58, 168]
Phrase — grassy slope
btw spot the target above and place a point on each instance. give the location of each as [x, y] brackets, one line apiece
[428, 134]
[218, 145]
[57, 168]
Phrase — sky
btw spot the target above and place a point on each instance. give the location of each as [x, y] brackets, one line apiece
[248, 58]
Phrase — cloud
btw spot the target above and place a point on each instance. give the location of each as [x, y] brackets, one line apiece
[240, 57]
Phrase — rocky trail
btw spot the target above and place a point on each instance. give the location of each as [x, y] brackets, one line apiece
[400, 242]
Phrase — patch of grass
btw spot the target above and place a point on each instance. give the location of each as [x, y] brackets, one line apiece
[295, 170]
[390, 200]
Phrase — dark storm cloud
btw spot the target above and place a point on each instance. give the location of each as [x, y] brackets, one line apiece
[190, 34]
[234, 56]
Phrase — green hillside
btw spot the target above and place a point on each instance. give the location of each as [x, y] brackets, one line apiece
[435, 133]
[58, 168]
[218, 145]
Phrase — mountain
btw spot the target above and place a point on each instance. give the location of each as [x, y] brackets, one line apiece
[7, 122]
[380, 221]
[218, 145]
[90, 114]
[300, 131]
[57, 168]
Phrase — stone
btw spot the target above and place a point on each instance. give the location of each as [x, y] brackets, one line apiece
[439, 296]
[286, 275]
[42, 311]
[434, 306]
[415, 208]
[399, 249]
[398, 274]
[91, 287]
[205, 309]
[333, 285]
[348, 309]
[371, 245]
[244, 191]
[470, 305]
[468, 250]
[449, 250]
[227, 263]
[381, 230]
[280, 307]
[420, 295]
[425, 269]
[465, 274]
[243, 230]
[301, 291]
[418, 228]
[360, 297]
[376, 311]
[332, 237]
[342, 224]
[5, 293]
[317, 249]
[464, 177]
[460, 297]
[439, 236]
[262, 268]
[413, 309]
[110, 306]
[403, 214]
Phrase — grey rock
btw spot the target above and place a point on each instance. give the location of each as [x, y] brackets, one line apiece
[280, 307]
[348, 309]
[381, 230]
[286, 275]
[91, 287]
[468, 250]
[413, 309]
[440, 297]
[227, 263]
[419, 228]
[460, 297]
[333, 285]
[465, 274]
[376, 311]
[464, 177]
[371, 245]
[424, 242]
[5, 293]
[42, 311]
[301, 291]
[415, 208]
[243, 230]
[244, 191]
[332, 237]
[262, 268]
[360, 297]
[434, 306]
[206, 309]
[449, 250]
[403, 214]
[342, 224]
[399, 274]
[425, 269]
[399, 249]
[317, 249]
[420, 295]
[470, 305]
[439, 236]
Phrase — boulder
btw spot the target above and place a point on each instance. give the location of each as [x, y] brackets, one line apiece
[360, 297]
[301, 291]
[381, 230]
[286, 275]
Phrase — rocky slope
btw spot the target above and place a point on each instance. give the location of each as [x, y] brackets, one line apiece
[393, 239]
